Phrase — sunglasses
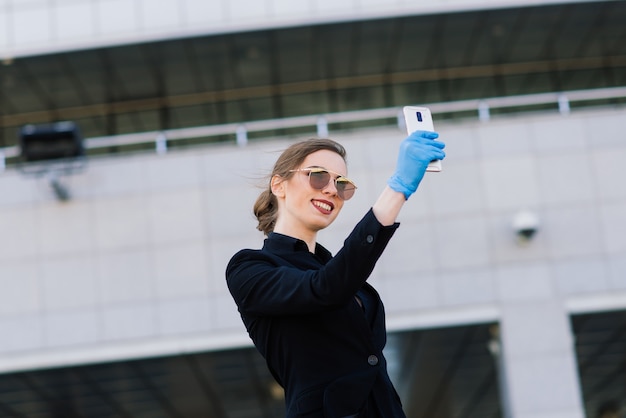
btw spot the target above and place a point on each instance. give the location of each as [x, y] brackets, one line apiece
[320, 177]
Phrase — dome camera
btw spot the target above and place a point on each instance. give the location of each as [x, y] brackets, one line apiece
[525, 225]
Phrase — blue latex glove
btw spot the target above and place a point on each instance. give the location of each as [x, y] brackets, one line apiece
[416, 151]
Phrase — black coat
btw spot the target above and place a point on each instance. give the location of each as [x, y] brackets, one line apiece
[300, 310]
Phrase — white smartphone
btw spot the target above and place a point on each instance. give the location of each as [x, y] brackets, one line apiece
[420, 119]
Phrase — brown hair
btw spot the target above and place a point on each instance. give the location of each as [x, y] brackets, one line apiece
[266, 205]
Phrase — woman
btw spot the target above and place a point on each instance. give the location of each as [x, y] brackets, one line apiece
[317, 322]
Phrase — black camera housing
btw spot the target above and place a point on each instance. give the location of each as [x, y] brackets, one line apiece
[55, 141]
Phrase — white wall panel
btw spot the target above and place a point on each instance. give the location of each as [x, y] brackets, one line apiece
[181, 271]
[330, 7]
[26, 333]
[613, 217]
[72, 328]
[566, 178]
[459, 189]
[510, 183]
[581, 275]
[524, 282]
[74, 20]
[610, 170]
[21, 289]
[248, 11]
[289, 8]
[540, 365]
[126, 276]
[32, 25]
[225, 316]
[66, 229]
[574, 231]
[159, 14]
[551, 398]
[410, 293]
[461, 242]
[117, 19]
[119, 178]
[128, 322]
[222, 249]
[172, 173]
[122, 223]
[207, 14]
[468, 287]
[367, 4]
[184, 315]
[20, 233]
[545, 323]
[617, 272]
[414, 241]
[174, 215]
[602, 131]
[462, 139]
[550, 136]
[29, 4]
[228, 211]
[6, 29]
[69, 283]
[503, 139]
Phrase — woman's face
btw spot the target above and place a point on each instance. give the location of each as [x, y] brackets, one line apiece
[303, 208]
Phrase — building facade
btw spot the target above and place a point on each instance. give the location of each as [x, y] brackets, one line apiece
[131, 267]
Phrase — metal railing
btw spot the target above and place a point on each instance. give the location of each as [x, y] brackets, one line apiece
[482, 107]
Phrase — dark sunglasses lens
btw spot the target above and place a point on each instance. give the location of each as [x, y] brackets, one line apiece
[345, 189]
[319, 179]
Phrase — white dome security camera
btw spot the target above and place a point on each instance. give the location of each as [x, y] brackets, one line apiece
[525, 225]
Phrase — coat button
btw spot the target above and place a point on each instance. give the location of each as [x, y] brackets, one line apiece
[372, 360]
[369, 239]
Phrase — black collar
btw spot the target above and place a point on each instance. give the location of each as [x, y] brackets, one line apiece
[280, 243]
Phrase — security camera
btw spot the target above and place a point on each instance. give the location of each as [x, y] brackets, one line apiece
[525, 225]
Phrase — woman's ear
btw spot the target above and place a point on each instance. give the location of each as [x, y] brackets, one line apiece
[277, 186]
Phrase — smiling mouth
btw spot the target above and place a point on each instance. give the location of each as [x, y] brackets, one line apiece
[322, 205]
